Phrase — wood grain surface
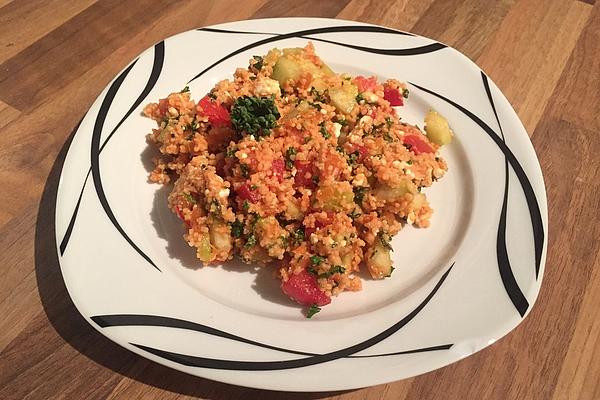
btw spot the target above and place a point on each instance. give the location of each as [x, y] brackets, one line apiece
[56, 56]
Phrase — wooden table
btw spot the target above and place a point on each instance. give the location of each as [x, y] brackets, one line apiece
[56, 56]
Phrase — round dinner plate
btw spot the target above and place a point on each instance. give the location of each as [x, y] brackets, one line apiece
[459, 285]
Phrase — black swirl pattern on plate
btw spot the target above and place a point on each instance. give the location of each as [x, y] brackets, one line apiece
[508, 279]
[235, 365]
[304, 34]
[159, 55]
[97, 133]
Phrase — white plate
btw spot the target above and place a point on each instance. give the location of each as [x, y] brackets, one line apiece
[460, 285]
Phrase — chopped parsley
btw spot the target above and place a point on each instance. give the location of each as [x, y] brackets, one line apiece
[254, 115]
[359, 194]
[324, 132]
[189, 198]
[389, 121]
[316, 260]
[212, 95]
[231, 152]
[317, 95]
[290, 156]
[385, 240]
[405, 93]
[185, 90]
[246, 205]
[359, 97]
[251, 241]
[237, 228]
[259, 62]
[245, 170]
[298, 235]
[194, 125]
[338, 269]
[352, 157]
[314, 309]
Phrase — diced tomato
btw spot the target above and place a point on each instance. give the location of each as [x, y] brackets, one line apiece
[278, 167]
[247, 193]
[365, 84]
[216, 113]
[362, 151]
[181, 217]
[319, 223]
[417, 144]
[393, 95]
[304, 289]
[304, 169]
[163, 106]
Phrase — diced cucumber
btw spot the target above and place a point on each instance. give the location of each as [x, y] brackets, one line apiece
[437, 128]
[204, 249]
[379, 261]
[344, 97]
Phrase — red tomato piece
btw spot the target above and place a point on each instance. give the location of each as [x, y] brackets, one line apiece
[247, 193]
[417, 144]
[319, 223]
[278, 167]
[163, 106]
[362, 151]
[365, 84]
[216, 113]
[393, 96]
[304, 169]
[303, 288]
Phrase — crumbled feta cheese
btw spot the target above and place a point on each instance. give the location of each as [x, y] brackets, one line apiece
[438, 172]
[267, 86]
[337, 129]
[173, 111]
[323, 111]
[409, 172]
[359, 180]
[251, 137]
[243, 155]
[371, 98]
[314, 238]
[224, 193]
[410, 218]
[365, 120]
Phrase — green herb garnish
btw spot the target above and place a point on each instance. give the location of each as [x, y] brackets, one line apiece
[312, 311]
[359, 97]
[245, 170]
[324, 132]
[385, 240]
[359, 194]
[405, 93]
[246, 205]
[254, 115]
[189, 198]
[290, 156]
[251, 241]
[316, 260]
[338, 269]
[185, 90]
[298, 235]
[259, 62]
[237, 228]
